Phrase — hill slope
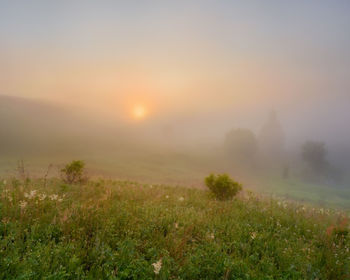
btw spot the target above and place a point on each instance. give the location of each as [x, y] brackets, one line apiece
[127, 230]
[36, 128]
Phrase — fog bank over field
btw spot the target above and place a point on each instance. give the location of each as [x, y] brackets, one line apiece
[33, 127]
[178, 90]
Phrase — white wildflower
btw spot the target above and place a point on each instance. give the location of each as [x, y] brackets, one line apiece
[30, 195]
[157, 266]
[53, 197]
[176, 225]
[10, 198]
[253, 235]
[181, 199]
[60, 200]
[4, 182]
[166, 196]
[42, 196]
[23, 204]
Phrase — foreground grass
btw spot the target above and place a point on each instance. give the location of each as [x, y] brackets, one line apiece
[127, 230]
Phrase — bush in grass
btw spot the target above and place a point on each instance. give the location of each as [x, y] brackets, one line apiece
[73, 172]
[222, 186]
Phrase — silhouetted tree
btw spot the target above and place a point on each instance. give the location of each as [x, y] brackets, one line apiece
[272, 139]
[314, 154]
[241, 146]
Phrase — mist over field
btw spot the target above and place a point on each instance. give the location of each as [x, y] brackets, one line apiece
[173, 91]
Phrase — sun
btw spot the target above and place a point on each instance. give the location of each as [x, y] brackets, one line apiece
[139, 112]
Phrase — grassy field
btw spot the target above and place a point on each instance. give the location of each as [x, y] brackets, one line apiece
[306, 192]
[107, 229]
[188, 170]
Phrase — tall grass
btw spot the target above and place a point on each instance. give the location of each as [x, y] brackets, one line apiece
[127, 230]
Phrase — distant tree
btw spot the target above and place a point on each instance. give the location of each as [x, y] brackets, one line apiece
[241, 145]
[285, 172]
[314, 154]
[272, 139]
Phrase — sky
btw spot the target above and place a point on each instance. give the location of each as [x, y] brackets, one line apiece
[182, 58]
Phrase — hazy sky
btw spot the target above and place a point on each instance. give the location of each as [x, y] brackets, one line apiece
[178, 57]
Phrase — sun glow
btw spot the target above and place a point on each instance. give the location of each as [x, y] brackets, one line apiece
[139, 112]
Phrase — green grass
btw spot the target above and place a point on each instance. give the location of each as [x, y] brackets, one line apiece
[119, 229]
[322, 195]
[186, 169]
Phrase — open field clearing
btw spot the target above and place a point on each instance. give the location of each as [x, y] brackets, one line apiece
[128, 230]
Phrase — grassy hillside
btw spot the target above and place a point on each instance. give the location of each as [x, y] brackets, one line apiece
[189, 170]
[127, 230]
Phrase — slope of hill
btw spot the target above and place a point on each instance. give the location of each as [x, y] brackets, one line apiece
[128, 230]
[41, 134]
[31, 127]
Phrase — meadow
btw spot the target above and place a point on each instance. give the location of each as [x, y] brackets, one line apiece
[186, 169]
[108, 229]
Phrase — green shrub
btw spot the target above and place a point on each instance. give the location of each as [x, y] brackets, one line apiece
[73, 172]
[222, 186]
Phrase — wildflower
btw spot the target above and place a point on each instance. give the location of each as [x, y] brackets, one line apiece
[31, 195]
[181, 199]
[253, 235]
[157, 266]
[42, 196]
[4, 182]
[53, 197]
[23, 204]
[166, 196]
[212, 236]
[10, 198]
[60, 200]
[176, 225]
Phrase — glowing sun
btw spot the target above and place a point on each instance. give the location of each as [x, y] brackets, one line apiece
[139, 112]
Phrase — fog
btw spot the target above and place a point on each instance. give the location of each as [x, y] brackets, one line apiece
[156, 88]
